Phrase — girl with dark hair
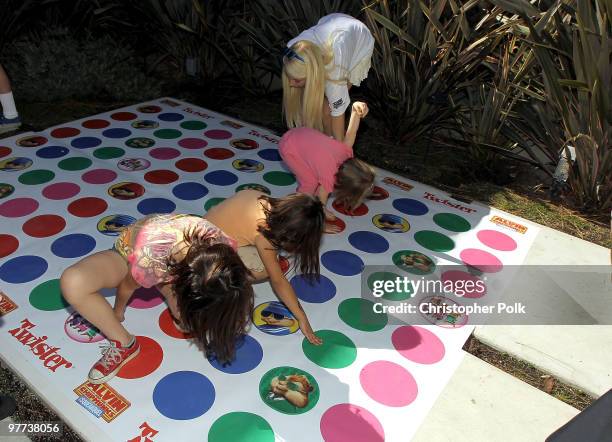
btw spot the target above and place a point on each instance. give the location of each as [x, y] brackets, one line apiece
[191, 262]
[262, 226]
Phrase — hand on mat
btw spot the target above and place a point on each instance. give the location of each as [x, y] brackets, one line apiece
[329, 216]
[331, 228]
[307, 331]
[360, 108]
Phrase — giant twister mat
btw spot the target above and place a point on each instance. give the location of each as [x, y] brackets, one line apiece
[65, 192]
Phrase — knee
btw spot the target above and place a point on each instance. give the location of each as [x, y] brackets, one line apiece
[72, 284]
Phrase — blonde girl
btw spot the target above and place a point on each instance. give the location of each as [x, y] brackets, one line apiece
[319, 67]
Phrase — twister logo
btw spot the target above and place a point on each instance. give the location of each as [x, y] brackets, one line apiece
[147, 433]
[45, 352]
[80, 330]
[446, 202]
[101, 400]
[7, 305]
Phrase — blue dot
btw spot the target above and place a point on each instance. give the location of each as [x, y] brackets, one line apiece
[170, 116]
[156, 205]
[410, 206]
[85, 142]
[270, 154]
[221, 178]
[52, 152]
[117, 133]
[342, 263]
[248, 356]
[313, 290]
[190, 191]
[183, 395]
[73, 246]
[368, 242]
[23, 269]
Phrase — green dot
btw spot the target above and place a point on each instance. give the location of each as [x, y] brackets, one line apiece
[452, 222]
[279, 178]
[107, 153]
[36, 176]
[414, 262]
[391, 295]
[359, 314]
[212, 203]
[293, 379]
[241, 427]
[193, 125]
[434, 241]
[75, 163]
[48, 296]
[167, 134]
[337, 350]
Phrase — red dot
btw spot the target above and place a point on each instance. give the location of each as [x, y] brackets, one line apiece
[99, 176]
[359, 211]
[147, 361]
[193, 143]
[8, 244]
[4, 151]
[218, 134]
[191, 165]
[87, 207]
[218, 153]
[123, 116]
[65, 132]
[284, 264]
[161, 176]
[61, 191]
[42, 226]
[378, 193]
[167, 326]
[338, 223]
[95, 124]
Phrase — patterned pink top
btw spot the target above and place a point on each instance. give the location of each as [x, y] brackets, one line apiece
[152, 239]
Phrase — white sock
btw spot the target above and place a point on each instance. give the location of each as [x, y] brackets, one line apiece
[8, 105]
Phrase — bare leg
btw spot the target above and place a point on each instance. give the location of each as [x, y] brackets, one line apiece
[326, 114]
[5, 84]
[125, 290]
[81, 284]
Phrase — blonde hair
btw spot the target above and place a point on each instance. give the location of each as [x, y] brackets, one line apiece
[353, 182]
[303, 107]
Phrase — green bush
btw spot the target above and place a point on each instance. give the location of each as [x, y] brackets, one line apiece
[56, 66]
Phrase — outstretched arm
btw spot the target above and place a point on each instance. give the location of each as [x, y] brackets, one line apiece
[358, 111]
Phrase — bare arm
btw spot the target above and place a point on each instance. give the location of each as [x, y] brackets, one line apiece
[358, 111]
[337, 127]
[282, 288]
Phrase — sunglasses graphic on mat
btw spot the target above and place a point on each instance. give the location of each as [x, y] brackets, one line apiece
[267, 314]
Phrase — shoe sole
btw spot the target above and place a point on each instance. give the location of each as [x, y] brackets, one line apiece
[112, 374]
[9, 128]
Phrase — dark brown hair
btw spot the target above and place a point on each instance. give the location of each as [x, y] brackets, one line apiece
[214, 295]
[353, 180]
[295, 224]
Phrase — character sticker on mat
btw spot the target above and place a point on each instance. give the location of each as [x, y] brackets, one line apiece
[274, 318]
[112, 225]
[15, 164]
[31, 141]
[170, 103]
[391, 223]
[145, 124]
[232, 124]
[439, 311]
[253, 186]
[79, 329]
[248, 165]
[244, 144]
[508, 224]
[289, 390]
[101, 400]
[397, 183]
[378, 193]
[7, 305]
[413, 262]
[6, 190]
[140, 142]
[126, 191]
[149, 109]
[133, 164]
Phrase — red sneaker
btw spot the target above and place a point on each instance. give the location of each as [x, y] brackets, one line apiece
[114, 356]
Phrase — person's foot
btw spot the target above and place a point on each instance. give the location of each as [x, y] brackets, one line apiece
[9, 124]
[114, 356]
[7, 406]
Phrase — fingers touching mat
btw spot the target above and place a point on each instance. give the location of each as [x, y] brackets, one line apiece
[65, 192]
